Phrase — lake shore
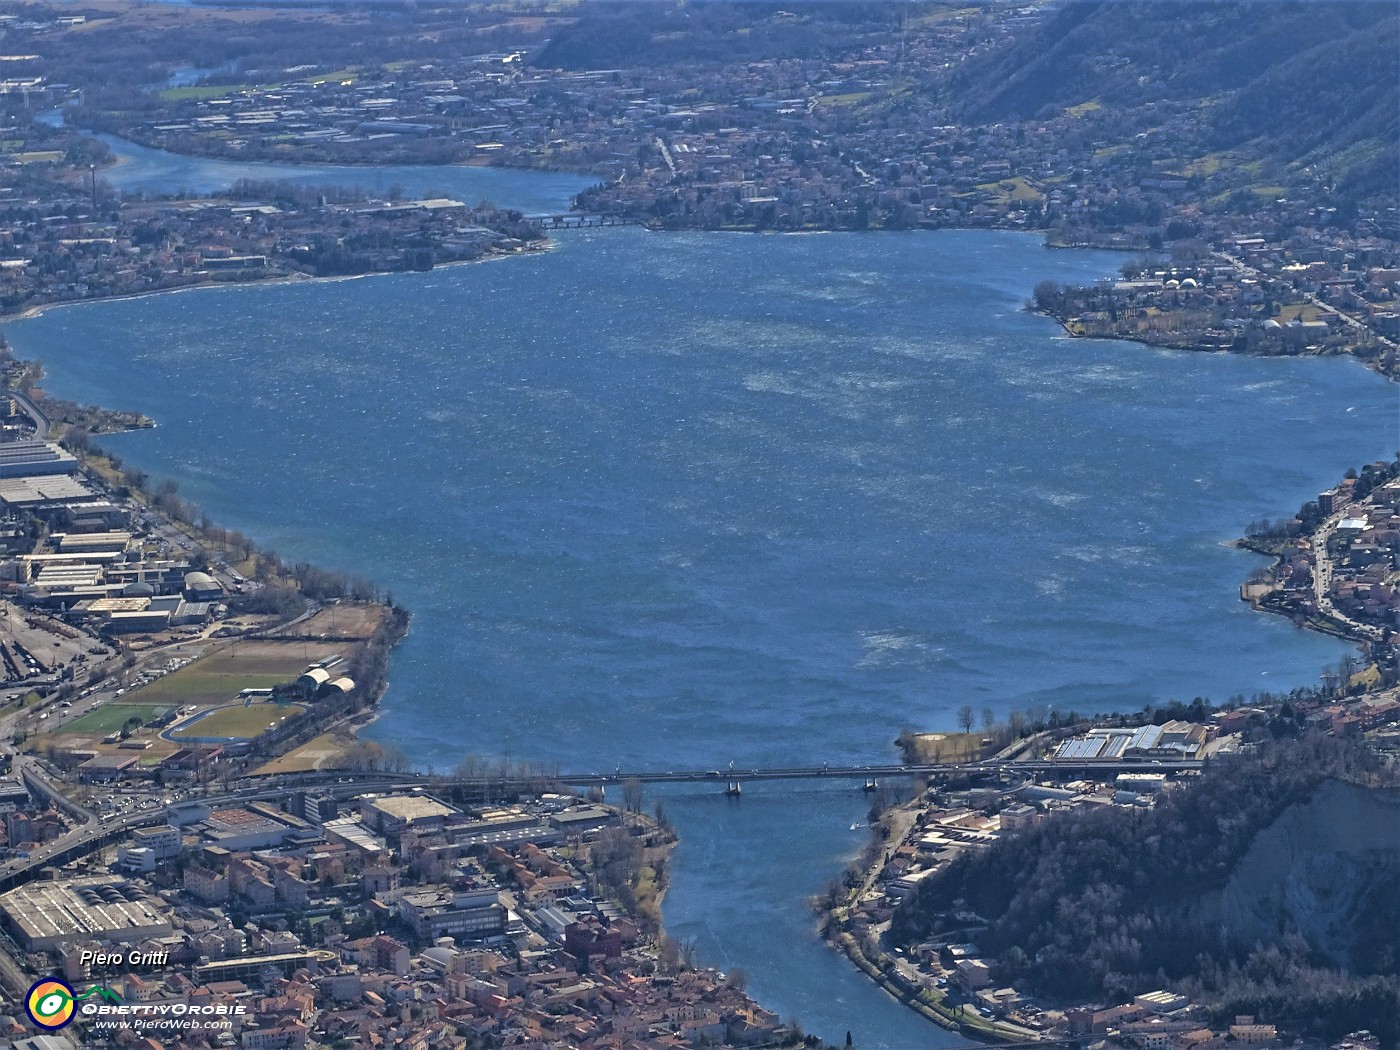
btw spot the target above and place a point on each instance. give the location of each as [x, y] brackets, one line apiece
[42, 308]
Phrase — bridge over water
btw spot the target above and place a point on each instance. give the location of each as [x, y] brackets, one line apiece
[829, 772]
[579, 220]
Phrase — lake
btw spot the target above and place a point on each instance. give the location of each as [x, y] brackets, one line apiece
[675, 500]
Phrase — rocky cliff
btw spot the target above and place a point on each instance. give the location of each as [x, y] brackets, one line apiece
[1328, 868]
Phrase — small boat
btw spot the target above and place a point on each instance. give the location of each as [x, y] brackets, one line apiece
[857, 826]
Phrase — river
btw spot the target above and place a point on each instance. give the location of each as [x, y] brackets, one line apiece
[671, 501]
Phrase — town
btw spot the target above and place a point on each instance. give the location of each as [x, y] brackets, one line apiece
[776, 141]
[194, 837]
[389, 918]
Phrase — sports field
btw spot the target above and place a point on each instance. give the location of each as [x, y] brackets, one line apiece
[222, 675]
[237, 722]
[109, 718]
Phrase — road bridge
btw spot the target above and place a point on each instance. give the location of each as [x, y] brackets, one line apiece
[579, 221]
[94, 834]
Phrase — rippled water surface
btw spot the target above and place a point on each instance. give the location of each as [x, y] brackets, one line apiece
[668, 501]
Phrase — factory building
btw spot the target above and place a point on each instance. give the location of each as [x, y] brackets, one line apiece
[22, 459]
[256, 826]
[391, 814]
[44, 916]
[201, 587]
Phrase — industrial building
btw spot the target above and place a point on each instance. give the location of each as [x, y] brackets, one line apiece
[256, 826]
[1174, 739]
[22, 459]
[43, 916]
[391, 814]
[201, 587]
[79, 542]
[26, 492]
[60, 500]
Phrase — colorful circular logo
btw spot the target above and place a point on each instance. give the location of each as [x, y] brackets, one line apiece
[50, 1003]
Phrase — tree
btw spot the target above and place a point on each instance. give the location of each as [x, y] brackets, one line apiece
[632, 795]
[966, 717]
[1048, 295]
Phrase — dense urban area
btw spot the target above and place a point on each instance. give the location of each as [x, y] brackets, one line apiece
[192, 836]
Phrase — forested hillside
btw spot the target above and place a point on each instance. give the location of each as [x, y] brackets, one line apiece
[1108, 903]
[631, 35]
[1302, 83]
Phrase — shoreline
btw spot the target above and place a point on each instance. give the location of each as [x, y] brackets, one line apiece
[356, 726]
[1372, 365]
[282, 162]
[883, 968]
[1176, 348]
[38, 310]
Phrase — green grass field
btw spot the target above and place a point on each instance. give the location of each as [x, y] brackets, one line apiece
[109, 718]
[202, 92]
[221, 676]
[241, 722]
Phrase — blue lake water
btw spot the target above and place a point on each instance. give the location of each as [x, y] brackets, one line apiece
[157, 172]
[669, 501]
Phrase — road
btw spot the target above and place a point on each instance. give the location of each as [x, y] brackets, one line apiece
[1323, 573]
[1351, 320]
[34, 412]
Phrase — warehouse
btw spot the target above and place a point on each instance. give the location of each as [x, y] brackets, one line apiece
[22, 459]
[44, 916]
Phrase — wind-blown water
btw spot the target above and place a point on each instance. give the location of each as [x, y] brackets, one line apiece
[668, 501]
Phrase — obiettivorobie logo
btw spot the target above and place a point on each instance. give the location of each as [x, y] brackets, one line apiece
[51, 1003]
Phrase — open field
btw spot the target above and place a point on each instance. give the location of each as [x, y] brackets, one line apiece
[239, 722]
[322, 752]
[1015, 189]
[220, 676]
[109, 718]
[945, 747]
[345, 620]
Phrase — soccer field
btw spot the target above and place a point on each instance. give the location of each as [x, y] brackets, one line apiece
[238, 722]
[109, 718]
[222, 675]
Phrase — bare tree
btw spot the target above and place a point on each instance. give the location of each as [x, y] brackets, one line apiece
[966, 717]
[632, 795]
